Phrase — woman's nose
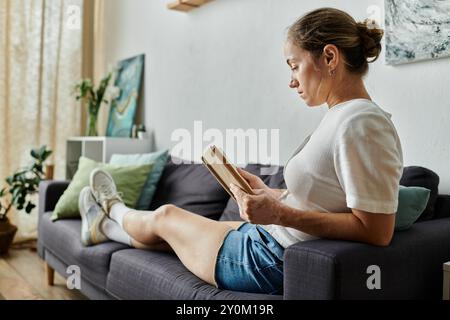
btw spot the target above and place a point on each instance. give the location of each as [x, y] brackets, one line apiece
[293, 84]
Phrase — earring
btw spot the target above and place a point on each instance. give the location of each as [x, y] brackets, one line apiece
[332, 72]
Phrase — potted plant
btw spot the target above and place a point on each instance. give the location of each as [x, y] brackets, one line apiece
[21, 185]
[93, 99]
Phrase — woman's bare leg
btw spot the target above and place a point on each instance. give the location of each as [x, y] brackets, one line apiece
[233, 224]
[164, 246]
[196, 240]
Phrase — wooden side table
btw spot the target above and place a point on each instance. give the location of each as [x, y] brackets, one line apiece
[446, 285]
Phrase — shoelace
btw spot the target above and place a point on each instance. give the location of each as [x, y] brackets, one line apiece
[105, 192]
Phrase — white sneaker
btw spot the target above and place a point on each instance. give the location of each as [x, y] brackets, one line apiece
[92, 217]
[104, 189]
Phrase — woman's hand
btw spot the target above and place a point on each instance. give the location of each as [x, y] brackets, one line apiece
[261, 208]
[255, 182]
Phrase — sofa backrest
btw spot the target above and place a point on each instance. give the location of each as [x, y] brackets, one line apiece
[192, 187]
[442, 207]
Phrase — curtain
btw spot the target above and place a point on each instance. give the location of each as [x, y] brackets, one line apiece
[93, 54]
[40, 62]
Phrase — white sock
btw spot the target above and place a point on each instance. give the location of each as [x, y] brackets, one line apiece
[114, 232]
[118, 211]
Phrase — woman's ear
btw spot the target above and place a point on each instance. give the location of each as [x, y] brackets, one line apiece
[331, 54]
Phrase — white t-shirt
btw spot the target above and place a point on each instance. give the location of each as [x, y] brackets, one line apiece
[352, 160]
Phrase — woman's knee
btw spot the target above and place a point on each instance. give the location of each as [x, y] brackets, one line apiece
[156, 221]
[164, 212]
[146, 223]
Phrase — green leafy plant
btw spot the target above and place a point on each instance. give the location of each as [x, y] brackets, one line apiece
[93, 99]
[23, 183]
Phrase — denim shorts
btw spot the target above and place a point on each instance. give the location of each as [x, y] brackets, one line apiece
[250, 260]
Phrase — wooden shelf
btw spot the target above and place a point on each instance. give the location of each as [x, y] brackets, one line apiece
[195, 2]
[186, 5]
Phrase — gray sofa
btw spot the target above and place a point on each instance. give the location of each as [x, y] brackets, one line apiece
[411, 267]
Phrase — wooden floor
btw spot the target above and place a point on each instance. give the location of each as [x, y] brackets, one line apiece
[23, 277]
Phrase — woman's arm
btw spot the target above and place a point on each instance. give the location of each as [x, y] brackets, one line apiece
[372, 228]
[263, 208]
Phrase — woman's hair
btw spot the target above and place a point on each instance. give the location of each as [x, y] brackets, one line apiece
[358, 41]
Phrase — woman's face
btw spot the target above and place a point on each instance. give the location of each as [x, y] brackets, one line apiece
[309, 76]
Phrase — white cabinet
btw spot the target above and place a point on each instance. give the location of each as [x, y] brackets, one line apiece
[101, 149]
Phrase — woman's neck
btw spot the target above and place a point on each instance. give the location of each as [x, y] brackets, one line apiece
[350, 89]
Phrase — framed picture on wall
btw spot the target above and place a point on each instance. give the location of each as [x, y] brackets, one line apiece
[417, 30]
[123, 109]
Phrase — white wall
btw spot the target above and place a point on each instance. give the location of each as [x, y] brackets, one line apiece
[223, 64]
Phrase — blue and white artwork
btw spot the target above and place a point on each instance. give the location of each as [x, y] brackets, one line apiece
[123, 109]
[417, 30]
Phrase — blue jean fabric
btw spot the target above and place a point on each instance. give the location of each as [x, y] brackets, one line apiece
[250, 260]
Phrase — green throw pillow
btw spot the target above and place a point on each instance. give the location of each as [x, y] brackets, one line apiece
[412, 201]
[158, 159]
[129, 180]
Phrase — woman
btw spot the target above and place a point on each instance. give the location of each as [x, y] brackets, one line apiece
[342, 183]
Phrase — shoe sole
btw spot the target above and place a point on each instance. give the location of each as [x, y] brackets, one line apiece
[82, 211]
[97, 222]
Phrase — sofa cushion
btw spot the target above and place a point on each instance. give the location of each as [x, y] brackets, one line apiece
[62, 239]
[157, 159]
[411, 203]
[129, 181]
[415, 176]
[231, 212]
[151, 275]
[276, 180]
[192, 187]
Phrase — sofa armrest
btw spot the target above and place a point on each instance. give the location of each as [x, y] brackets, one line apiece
[49, 193]
[410, 268]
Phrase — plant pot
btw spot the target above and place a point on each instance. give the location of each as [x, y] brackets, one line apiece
[7, 233]
[92, 125]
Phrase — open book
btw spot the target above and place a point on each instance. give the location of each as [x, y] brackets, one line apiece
[224, 171]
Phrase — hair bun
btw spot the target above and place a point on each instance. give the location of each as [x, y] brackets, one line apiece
[371, 36]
